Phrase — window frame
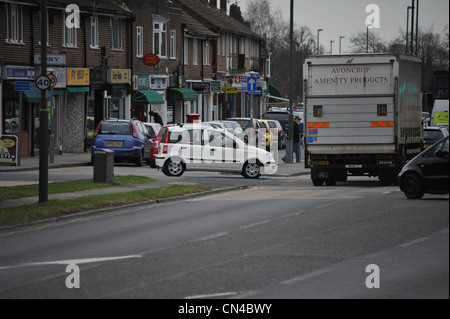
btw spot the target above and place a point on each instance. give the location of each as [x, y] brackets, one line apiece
[139, 41]
[118, 35]
[94, 31]
[173, 44]
[160, 33]
[14, 27]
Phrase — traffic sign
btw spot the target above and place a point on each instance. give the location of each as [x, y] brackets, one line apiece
[251, 84]
[53, 80]
[43, 82]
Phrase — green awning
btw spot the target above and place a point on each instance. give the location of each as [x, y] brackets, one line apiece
[76, 89]
[34, 94]
[184, 94]
[147, 97]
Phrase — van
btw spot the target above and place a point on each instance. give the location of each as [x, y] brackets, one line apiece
[440, 112]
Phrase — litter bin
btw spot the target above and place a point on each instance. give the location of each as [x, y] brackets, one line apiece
[193, 118]
[104, 166]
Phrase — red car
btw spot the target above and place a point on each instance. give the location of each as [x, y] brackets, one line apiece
[155, 147]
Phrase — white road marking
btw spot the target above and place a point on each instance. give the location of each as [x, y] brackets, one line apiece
[411, 243]
[221, 294]
[255, 224]
[307, 276]
[209, 237]
[72, 261]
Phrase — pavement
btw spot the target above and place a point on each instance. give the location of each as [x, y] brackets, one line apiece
[84, 159]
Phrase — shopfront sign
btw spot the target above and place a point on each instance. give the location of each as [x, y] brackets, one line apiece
[77, 76]
[216, 86]
[52, 59]
[9, 149]
[141, 82]
[12, 72]
[201, 87]
[117, 76]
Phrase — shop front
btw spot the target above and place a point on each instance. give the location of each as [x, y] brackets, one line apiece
[146, 98]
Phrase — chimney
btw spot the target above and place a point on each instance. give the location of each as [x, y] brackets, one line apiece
[223, 5]
[213, 3]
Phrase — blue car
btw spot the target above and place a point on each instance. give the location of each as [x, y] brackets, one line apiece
[127, 138]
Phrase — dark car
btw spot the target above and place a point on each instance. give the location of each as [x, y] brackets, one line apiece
[427, 172]
[127, 138]
[433, 134]
[283, 117]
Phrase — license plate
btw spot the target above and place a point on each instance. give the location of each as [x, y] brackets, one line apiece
[114, 144]
[354, 166]
[319, 163]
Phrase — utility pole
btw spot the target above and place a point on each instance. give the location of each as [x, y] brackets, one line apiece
[407, 29]
[290, 144]
[412, 27]
[417, 29]
[43, 113]
[340, 40]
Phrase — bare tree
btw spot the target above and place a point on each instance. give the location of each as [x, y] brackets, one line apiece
[265, 21]
[364, 42]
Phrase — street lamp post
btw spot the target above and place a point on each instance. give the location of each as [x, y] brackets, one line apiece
[318, 42]
[340, 39]
[331, 46]
[407, 29]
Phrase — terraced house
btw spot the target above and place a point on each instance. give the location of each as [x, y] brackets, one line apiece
[200, 58]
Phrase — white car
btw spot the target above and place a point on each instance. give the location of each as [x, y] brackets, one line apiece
[205, 148]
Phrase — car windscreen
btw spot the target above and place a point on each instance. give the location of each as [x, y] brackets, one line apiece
[279, 116]
[245, 124]
[272, 124]
[151, 131]
[432, 135]
[116, 128]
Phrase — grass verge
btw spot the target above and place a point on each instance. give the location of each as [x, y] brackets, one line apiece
[58, 208]
[23, 191]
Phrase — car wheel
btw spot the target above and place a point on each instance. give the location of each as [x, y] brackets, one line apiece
[139, 160]
[174, 168]
[413, 187]
[317, 182]
[252, 170]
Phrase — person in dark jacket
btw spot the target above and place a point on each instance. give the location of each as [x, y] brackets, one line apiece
[157, 118]
[296, 140]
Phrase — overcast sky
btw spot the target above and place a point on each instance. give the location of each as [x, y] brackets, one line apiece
[347, 17]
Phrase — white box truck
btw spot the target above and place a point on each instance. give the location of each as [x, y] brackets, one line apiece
[362, 114]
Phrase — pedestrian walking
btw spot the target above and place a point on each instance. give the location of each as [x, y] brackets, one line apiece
[157, 118]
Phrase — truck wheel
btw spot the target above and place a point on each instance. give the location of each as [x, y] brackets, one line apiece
[413, 187]
[317, 182]
[330, 182]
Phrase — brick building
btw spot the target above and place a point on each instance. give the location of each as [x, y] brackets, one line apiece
[101, 67]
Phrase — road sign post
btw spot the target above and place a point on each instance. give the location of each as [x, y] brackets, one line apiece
[43, 112]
